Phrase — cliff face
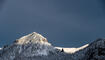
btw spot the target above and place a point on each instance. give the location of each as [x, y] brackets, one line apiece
[35, 47]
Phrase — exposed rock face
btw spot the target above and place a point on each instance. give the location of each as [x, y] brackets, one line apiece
[35, 47]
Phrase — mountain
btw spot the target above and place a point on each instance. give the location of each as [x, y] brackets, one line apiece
[36, 47]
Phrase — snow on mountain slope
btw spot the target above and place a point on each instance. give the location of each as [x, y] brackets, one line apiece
[0, 48]
[30, 47]
[36, 47]
[95, 51]
[72, 50]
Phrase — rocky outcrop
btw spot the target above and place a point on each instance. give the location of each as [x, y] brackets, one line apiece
[36, 47]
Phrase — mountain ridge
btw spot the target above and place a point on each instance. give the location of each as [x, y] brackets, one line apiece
[36, 47]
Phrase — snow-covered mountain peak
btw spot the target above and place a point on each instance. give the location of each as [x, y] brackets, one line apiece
[36, 47]
[32, 38]
[30, 45]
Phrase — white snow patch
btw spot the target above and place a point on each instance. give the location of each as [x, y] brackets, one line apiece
[0, 48]
[72, 50]
[42, 52]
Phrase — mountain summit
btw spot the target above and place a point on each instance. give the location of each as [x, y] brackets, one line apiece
[31, 45]
[32, 38]
[36, 47]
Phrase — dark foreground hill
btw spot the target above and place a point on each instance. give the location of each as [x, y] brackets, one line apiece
[36, 47]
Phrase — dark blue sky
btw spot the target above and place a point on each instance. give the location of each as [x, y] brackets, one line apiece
[66, 23]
